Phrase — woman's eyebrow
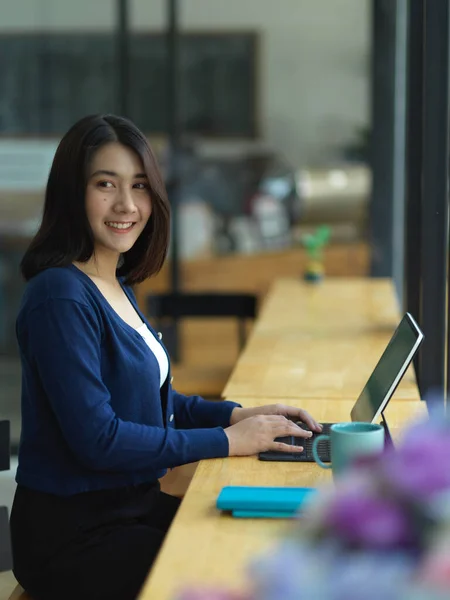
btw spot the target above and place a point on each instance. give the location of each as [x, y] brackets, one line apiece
[114, 174]
[104, 172]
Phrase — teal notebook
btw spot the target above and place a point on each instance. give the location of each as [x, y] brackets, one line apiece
[263, 502]
[263, 514]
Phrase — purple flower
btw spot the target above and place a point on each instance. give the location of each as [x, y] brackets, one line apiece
[303, 571]
[420, 467]
[364, 520]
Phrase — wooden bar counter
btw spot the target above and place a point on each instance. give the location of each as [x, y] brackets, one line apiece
[313, 346]
[319, 341]
[206, 547]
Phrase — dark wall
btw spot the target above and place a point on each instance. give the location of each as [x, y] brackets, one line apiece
[50, 80]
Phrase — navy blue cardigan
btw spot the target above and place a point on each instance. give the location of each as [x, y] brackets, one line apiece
[93, 414]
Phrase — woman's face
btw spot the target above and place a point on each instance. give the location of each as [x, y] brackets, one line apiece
[118, 203]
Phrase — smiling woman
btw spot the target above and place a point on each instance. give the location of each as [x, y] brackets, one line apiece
[103, 165]
[118, 205]
[101, 423]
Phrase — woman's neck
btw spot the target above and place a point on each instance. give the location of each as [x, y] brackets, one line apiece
[101, 267]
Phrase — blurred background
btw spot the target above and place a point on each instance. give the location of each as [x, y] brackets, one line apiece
[260, 116]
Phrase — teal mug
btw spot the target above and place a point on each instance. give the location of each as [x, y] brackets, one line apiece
[350, 441]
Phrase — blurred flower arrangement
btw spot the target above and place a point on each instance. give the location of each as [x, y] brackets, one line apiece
[383, 532]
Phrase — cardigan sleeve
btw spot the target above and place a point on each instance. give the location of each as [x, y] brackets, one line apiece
[63, 339]
[194, 411]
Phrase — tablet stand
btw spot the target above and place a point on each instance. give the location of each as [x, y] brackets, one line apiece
[388, 443]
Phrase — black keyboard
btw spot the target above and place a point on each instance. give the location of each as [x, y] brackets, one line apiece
[305, 456]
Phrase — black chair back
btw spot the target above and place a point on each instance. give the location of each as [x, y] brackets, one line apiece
[180, 305]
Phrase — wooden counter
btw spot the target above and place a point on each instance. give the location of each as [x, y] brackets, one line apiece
[324, 340]
[314, 347]
[206, 547]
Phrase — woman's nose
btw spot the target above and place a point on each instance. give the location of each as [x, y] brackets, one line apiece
[125, 202]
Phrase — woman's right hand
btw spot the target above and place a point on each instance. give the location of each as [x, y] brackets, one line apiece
[257, 434]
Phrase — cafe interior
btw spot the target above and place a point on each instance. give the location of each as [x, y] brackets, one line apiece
[304, 145]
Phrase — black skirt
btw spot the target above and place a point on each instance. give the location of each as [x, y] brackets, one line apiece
[90, 546]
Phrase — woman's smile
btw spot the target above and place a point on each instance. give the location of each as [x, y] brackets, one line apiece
[120, 226]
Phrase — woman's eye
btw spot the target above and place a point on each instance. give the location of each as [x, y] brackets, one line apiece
[105, 184]
[141, 186]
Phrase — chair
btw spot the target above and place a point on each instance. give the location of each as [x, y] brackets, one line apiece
[177, 305]
[5, 541]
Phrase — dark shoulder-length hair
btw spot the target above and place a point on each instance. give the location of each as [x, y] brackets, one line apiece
[65, 234]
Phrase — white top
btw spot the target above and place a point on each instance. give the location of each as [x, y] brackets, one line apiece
[157, 350]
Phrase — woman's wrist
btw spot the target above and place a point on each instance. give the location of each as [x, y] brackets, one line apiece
[239, 414]
[236, 415]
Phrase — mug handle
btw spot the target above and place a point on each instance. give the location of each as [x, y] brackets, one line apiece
[316, 442]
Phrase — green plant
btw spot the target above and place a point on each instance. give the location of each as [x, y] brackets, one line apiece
[314, 243]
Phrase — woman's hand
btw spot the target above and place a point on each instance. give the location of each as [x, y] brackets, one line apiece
[297, 414]
[257, 434]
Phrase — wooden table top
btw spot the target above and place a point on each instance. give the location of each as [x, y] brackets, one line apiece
[316, 341]
[206, 547]
[337, 303]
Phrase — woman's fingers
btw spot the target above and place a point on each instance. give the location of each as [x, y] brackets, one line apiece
[283, 427]
[306, 418]
[296, 414]
[281, 447]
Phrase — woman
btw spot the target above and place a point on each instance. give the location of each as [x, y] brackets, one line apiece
[100, 420]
